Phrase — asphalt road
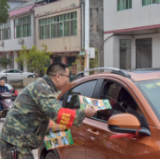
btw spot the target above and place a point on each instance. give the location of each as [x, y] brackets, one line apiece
[35, 152]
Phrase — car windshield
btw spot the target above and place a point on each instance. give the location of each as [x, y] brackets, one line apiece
[151, 91]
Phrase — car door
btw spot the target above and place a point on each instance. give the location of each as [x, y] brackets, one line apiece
[11, 75]
[18, 74]
[71, 101]
[98, 142]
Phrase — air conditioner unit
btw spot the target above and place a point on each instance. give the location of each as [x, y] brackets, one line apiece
[92, 52]
[2, 43]
[21, 41]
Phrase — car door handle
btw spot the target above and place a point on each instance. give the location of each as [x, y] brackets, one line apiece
[96, 133]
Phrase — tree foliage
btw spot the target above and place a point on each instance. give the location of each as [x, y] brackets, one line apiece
[4, 11]
[36, 60]
[4, 62]
[80, 62]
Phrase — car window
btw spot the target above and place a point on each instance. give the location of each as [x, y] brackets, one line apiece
[16, 71]
[111, 90]
[10, 71]
[123, 100]
[85, 89]
[117, 108]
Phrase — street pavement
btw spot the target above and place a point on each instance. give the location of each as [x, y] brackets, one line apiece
[35, 152]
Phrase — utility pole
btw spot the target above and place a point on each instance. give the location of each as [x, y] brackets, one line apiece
[87, 29]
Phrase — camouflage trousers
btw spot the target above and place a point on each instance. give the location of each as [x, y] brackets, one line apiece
[6, 148]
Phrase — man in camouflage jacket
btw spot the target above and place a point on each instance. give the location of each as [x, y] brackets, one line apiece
[27, 122]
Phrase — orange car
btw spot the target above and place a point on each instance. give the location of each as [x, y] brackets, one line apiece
[135, 101]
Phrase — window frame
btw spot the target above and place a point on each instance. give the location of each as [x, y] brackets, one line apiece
[57, 23]
[5, 28]
[22, 27]
[118, 10]
[150, 4]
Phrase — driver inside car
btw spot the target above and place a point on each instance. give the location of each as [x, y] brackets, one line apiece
[3, 88]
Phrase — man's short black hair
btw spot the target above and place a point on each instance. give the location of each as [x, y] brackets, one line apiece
[56, 68]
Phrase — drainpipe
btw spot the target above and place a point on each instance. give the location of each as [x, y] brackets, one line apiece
[82, 25]
[87, 26]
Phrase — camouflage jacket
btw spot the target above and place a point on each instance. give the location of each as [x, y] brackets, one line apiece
[27, 122]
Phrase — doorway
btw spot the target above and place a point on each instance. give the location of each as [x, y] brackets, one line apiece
[125, 54]
[144, 53]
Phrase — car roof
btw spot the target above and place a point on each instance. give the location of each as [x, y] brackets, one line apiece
[135, 75]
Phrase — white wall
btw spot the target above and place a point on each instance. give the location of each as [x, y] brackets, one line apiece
[15, 4]
[137, 16]
[12, 44]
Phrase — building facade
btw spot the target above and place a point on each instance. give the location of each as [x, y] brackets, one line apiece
[59, 27]
[132, 34]
[18, 31]
[15, 3]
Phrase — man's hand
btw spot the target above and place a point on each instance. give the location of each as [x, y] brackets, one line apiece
[90, 112]
[49, 129]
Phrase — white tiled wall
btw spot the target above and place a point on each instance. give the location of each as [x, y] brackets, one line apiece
[137, 16]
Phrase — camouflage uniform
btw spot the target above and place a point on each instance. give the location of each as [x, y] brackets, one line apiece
[27, 122]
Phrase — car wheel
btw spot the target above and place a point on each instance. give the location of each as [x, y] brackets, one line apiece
[4, 78]
[51, 155]
[30, 76]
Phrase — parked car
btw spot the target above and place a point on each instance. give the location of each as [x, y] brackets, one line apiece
[15, 74]
[135, 101]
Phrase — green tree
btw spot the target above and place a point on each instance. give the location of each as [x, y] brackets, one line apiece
[36, 60]
[4, 62]
[4, 11]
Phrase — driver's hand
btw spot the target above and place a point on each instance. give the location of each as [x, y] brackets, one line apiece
[90, 112]
[13, 94]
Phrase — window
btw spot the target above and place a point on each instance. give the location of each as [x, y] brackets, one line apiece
[120, 100]
[16, 71]
[85, 89]
[106, 114]
[148, 2]
[124, 4]
[5, 31]
[22, 27]
[58, 26]
[10, 71]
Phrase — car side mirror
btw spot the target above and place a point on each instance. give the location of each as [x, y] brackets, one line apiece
[127, 123]
[124, 123]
